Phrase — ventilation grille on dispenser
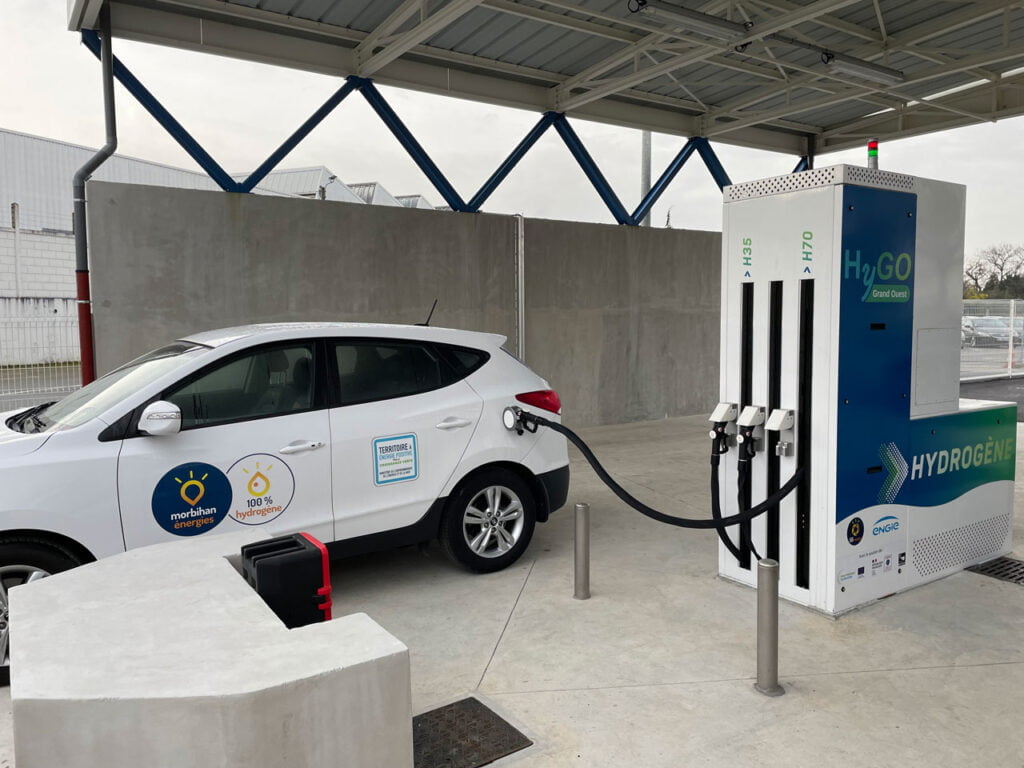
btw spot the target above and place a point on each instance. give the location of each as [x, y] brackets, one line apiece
[960, 546]
[872, 177]
[820, 177]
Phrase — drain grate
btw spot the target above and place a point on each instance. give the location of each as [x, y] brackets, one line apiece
[1004, 568]
[465, 734]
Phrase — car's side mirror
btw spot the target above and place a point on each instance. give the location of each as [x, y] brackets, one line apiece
[160, 418]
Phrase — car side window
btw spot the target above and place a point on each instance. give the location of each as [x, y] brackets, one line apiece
[379, 370]
[462, 360]
[269, 381]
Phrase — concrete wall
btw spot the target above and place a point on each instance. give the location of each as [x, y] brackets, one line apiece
[166, 262]
[622, 321]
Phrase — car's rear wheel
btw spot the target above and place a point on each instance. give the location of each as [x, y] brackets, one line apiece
[489, 521]
[23, 561]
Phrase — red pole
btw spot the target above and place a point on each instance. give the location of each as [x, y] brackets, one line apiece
[88, 365]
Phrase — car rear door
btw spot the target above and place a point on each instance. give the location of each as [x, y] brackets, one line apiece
[400, 424]
[254, 450]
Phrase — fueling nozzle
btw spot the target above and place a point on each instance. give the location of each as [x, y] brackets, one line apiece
[723, 415]
[515, 418]
[749, 430]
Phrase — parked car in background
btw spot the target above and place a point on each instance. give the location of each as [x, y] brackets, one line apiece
[987, 332]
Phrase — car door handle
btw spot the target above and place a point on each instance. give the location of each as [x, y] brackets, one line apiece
[454, 422]
[301, 445]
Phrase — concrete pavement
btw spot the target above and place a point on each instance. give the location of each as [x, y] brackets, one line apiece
[657, 668]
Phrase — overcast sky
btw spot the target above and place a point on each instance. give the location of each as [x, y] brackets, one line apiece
[241, 111]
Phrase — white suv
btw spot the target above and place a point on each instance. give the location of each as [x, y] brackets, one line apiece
[365, 436]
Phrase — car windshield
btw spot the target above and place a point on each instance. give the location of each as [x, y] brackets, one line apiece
[96, 397]
[989, 322]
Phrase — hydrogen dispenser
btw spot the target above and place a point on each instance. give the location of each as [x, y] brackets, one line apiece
[841, 304]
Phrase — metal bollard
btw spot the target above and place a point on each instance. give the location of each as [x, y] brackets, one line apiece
[581, 559]
[768, 628]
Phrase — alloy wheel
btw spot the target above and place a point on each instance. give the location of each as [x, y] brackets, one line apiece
[493, 521]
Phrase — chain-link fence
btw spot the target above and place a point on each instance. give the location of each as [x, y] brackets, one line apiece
[992, 339]
[38, 360]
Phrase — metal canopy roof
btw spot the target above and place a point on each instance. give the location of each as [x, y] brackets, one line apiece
[962, 62]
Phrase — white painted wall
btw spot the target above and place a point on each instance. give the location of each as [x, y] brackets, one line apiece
[40, 264]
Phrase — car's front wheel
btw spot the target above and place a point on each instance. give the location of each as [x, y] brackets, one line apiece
[22, 561]
[489, 521]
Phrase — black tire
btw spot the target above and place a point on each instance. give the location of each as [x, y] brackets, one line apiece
[23, 559]
[468, 516]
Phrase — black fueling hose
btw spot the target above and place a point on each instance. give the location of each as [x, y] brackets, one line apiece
[742, 482]
[531, 421]
[718, 447]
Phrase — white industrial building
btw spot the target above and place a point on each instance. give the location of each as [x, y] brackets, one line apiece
[37, 252]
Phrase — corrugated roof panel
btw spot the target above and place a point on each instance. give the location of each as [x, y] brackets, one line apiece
[986, 33]
[539, 47]
[309, 9]
[491, 34]
[837, 114]
[898, 15]
[361, 15]
[587, 60]
[568, 53]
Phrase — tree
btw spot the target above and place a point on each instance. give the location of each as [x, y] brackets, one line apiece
[977, 274]
[995, 272]
[1002, 261]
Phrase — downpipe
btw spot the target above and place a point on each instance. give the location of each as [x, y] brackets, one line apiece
[83, 295]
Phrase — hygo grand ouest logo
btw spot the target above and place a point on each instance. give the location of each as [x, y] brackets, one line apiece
[893, 270]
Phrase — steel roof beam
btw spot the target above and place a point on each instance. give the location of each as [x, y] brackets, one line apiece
[527, 89]
[370, 61]
[922, 32]
[395, 19]
[561, 20]
[971, 62]
[84, 14]
[566, 100]
[310, 46]
[853, 30]
[626, 55]
[919, 119]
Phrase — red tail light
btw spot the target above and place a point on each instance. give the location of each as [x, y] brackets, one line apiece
[545, 398]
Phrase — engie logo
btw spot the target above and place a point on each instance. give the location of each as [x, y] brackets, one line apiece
[886, 524]
[886, 267]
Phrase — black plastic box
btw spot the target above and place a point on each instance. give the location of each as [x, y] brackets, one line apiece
[293, 576]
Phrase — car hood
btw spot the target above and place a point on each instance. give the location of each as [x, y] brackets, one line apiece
[14, 443]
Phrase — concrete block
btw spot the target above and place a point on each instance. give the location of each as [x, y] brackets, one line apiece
[164, 657]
